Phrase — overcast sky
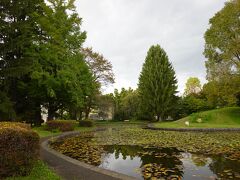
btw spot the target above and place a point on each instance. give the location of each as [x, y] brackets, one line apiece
[124, 30]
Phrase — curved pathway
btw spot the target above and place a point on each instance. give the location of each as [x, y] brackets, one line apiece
[71, 169]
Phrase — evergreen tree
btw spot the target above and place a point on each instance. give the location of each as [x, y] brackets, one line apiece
[157, 84]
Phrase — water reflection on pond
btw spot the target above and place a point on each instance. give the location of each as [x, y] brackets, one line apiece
[149, 162]
[166, 163]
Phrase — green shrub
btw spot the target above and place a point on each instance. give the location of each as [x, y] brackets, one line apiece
[19, 149]
[86, 123]
[62, 125]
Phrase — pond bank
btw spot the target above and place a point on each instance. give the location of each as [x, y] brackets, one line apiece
[69, 168]
[152, 127]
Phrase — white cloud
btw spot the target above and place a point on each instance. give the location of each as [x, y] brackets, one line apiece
[123, 31]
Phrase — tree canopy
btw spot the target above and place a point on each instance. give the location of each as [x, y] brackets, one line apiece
[41, 60]
[222, 50]
[193, 86]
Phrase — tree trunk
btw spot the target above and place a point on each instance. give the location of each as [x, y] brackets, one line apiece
[80, 115]
[87, 111]
[38, 116]
[51, 112]
[73, 114]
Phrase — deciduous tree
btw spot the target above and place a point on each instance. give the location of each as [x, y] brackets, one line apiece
[193, 86]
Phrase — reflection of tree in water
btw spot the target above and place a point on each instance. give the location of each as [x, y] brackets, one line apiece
[225, 168]
[160, 163]
[199, 160]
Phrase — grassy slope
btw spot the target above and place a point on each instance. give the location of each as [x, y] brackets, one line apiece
[218, 118]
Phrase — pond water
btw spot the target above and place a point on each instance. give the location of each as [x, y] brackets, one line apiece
[149, 162]
[167, 163]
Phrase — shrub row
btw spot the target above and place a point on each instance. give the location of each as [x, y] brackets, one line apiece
[86, 123]
[62, 125]
[19, 149]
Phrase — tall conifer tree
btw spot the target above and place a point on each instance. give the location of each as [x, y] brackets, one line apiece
[157, 83]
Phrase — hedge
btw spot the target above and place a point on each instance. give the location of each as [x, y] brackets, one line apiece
[62, 125]
[86, 123]
[19, 149]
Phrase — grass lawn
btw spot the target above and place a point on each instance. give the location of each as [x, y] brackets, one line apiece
[39, 172]
[218, 118]
[42, 132]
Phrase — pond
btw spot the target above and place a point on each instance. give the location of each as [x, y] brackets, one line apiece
[166, 163]
[124, 151]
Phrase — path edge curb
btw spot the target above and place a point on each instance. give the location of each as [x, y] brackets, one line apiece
[111, 174]
[151, 127]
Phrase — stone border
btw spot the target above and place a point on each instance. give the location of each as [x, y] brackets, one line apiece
[69, 168]
[151, 127]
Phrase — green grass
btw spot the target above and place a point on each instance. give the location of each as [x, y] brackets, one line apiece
[218, 118]
[40, 172]
[42, 132]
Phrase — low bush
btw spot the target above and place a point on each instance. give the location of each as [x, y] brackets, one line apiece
[86, 123]
[19, 149]
[61, 125]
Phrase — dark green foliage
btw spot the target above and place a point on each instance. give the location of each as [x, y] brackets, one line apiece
[41, 63]
[19, 149]
[157, 84]
[194, 103]
[19, 33]
[61, 125]
[86, 123]
[126, 104]
[222, 93]
[6, 108]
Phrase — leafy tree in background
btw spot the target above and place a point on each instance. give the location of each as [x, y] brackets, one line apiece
[102, 72]
[105, 104]
[193, 86]
[100, 66]
[157, 83]
[130, 105]
[222, 50]
[194, 103]
[222, 93]
[126, 104]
